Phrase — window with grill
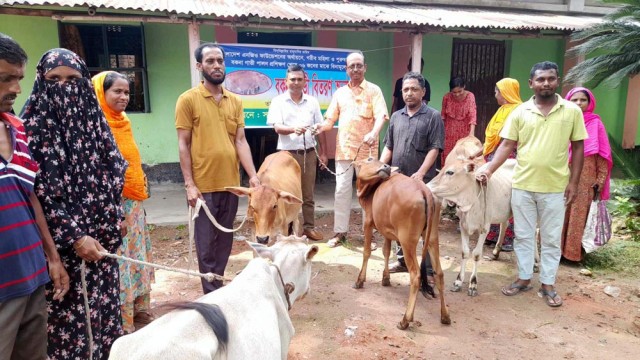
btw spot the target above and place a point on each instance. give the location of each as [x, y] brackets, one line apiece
[112, 47]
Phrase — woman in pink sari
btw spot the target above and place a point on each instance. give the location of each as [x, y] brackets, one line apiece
[596, 173]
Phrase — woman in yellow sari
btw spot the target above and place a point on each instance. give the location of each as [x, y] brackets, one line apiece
[508, 96]
[112, 91]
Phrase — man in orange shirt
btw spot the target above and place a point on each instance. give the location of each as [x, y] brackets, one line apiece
[361, 111]
[211, 140]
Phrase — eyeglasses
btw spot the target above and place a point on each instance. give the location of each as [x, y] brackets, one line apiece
[355, 66]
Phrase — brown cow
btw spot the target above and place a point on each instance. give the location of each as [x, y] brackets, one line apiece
[400, 208]
[275, 204]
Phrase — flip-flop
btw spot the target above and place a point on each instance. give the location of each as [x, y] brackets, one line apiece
[550, 296]
[515, 289]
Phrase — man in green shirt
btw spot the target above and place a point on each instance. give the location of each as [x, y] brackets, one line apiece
[542, 129]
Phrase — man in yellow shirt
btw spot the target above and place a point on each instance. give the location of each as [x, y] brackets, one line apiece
[211, 141]
[360, 108]
[542, 129]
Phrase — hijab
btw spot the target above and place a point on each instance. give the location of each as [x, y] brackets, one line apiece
[510, 90]
[135, 181]
[598, 141]
[81, 168]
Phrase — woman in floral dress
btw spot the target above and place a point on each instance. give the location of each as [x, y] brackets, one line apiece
[112, 90]
[596, 172]
[79, 185]
[458, 114]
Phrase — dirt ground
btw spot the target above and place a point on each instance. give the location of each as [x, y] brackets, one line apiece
[590, 324]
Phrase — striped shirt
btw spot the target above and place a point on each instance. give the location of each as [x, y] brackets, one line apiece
[23, 267]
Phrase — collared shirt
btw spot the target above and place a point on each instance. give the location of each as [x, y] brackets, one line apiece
[410, 138]
[284, 111]
[542, 160]
[24, 268]
[357, 115]
[213, 126]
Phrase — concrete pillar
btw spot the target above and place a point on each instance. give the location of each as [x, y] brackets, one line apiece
[568, 64]
[631, 113]
[576, 5]
[194, 42]
[416, 51]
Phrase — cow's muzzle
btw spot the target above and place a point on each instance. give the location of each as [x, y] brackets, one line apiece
[262, 239]
[384, 171]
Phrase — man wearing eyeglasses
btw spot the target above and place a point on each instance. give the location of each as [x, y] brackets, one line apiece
[361, 111]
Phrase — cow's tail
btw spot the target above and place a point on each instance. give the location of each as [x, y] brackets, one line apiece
[429, 237]
[213, 315]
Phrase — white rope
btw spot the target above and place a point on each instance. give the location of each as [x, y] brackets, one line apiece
[87, 309]
[200, 204]
[207, 276]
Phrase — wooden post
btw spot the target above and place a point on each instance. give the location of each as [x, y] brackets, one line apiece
[416, 51]
[631, 113]
[194, 42]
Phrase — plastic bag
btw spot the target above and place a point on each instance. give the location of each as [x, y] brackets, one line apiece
[597, 231]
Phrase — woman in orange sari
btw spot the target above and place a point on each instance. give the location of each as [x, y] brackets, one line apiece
[508, 97]
[112, 90]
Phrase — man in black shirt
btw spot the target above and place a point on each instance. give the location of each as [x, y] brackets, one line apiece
[413, 143]
[398, 102]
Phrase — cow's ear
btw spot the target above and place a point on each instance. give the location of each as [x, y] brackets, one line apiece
[289, 197]
[470, 166]
[311, 252]
[239, 191]
[263, 251]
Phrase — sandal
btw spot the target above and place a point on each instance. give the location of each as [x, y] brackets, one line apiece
[551, 297]
[515, 289]
[374, 246]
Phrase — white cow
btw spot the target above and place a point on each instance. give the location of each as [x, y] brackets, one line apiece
[477, 207]
[251, 313]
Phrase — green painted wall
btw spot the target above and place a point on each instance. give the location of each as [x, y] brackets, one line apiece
[36, 37]
[167, 52]
[436, 52]
[168, 70]
[525, 53]
[610, 105]
[378, 55]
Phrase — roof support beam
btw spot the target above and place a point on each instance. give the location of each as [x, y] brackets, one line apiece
[194, 41]
[416, 52]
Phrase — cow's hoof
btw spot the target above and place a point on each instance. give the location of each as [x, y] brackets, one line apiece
[358, 285]
[445, 320]
[472, 292]
[403, 325]
[496, 255]
[456, 288]
[386, 282]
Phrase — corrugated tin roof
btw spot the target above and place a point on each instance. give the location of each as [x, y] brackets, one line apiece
[341, 12]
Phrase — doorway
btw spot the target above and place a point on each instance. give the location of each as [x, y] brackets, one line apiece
[481, 64]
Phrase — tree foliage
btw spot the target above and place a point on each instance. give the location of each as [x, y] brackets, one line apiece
[615, 44]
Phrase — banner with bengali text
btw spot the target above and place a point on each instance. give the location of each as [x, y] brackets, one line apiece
[257, 74]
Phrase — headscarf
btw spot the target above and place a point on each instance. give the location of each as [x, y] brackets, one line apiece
[510, 90]
[135, 181]
[598, 141]
[81, 170]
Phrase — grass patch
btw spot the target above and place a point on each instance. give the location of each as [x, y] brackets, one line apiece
[618, 256]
